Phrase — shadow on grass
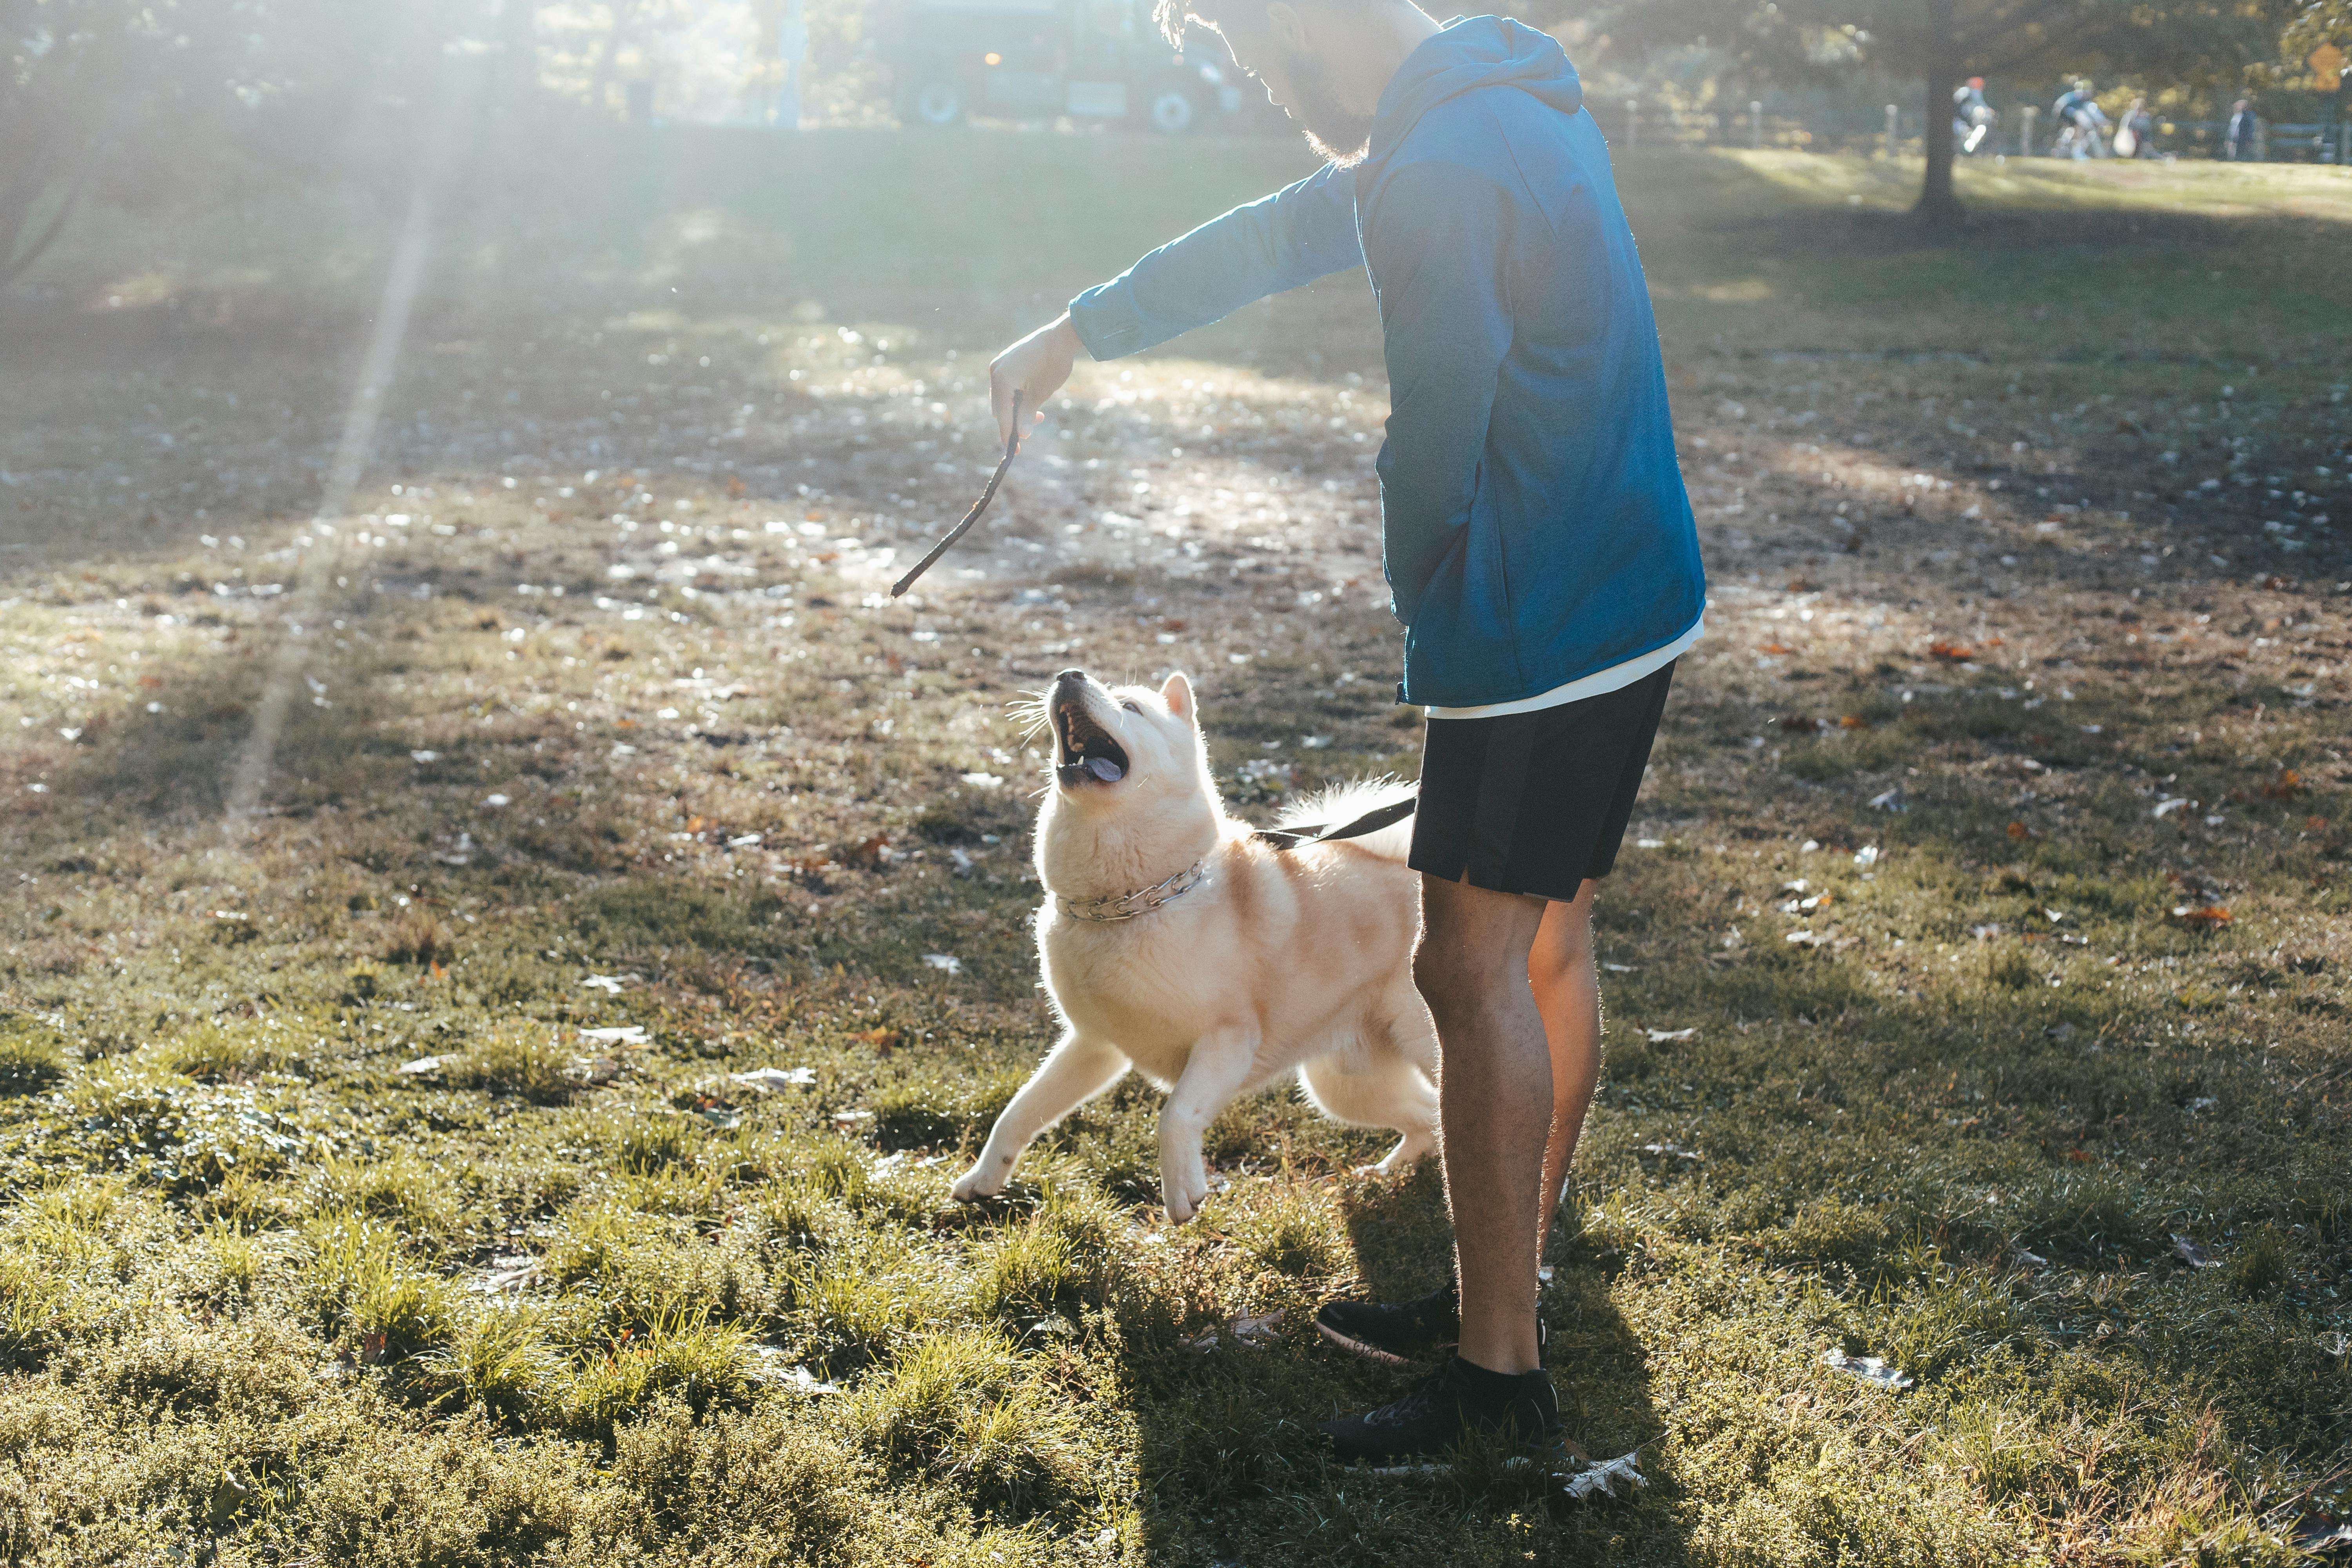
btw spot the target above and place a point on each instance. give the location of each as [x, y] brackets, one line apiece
[1234, 1468]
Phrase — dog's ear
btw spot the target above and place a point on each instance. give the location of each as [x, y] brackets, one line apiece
[1177, 692]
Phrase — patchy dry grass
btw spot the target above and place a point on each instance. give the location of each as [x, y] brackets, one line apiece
[377, 1189]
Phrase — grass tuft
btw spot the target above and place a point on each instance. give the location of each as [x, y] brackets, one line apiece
[516, 1061]
[33, 1056]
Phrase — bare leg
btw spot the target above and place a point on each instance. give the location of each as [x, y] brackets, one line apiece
[1495, 1103]
[1567, 994]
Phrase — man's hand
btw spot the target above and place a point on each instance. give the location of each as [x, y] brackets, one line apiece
[1034, 367]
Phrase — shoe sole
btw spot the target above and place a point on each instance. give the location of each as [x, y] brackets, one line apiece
[1369, 1351]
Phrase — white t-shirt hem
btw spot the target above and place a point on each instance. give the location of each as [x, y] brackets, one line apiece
[1598, 684]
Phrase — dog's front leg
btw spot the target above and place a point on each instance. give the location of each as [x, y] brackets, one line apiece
[1218, 1068]
[1074, 1072]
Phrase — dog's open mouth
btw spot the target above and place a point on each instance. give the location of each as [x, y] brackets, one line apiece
[1086, 754]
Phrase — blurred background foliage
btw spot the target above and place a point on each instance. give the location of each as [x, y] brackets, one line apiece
[133, 102]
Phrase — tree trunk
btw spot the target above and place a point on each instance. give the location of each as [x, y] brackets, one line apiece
[1938, 207]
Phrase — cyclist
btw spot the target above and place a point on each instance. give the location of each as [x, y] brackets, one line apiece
[2080, 122]
[1972, 117]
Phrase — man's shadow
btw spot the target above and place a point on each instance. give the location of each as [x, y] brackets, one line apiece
[1233, 1469]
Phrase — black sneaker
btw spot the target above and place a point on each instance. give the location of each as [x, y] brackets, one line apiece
[1457, 1401]
[1393, 1331]
[1397, 1333]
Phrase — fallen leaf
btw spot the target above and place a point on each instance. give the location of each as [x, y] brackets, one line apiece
[2019, 830]
[768, 1080]
[1871, 1369]
[2286, 786]
[1597, 1477]
[2209, 917]
[870, 853]
[507, 1276]
[1261, 1330]
[767, 1366]
[1773, 648]
[1853, 721]
[1952, 652]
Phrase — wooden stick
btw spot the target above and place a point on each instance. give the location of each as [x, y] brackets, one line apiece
[1011, 448]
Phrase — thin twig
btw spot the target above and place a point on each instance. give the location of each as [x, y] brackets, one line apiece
[1011, 448]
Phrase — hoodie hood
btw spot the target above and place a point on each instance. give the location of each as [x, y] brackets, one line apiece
[1469, 52]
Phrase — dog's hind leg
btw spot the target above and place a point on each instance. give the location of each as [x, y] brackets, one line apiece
[1373, 1088]
[1074, 1072]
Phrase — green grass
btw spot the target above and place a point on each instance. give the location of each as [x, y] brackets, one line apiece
[274, 1289]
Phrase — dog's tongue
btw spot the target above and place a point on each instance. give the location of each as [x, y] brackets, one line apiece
[1102, 768]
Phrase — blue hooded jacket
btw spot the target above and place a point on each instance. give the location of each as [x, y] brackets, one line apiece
[1534, 527]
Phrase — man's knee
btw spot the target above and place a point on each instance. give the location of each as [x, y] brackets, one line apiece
[1454, 989]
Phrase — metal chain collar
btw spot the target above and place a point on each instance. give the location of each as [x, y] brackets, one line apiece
[1127, 905]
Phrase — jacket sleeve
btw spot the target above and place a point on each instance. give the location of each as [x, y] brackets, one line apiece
[1439, 254]
[1300, 233]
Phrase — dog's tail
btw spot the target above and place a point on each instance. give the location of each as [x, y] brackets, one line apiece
[1342, 803]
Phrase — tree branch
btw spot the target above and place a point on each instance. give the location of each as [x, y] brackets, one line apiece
[18, 264]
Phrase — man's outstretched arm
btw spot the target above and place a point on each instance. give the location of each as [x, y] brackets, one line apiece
[1300, 233]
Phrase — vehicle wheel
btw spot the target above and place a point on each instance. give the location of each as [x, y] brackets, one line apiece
[939, 104]
[1171, 111]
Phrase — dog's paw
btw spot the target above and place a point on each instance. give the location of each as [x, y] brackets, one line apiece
[1184, 1187]
[984, 1180]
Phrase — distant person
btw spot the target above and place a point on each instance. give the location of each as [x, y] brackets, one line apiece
[1972, 117]
[2078, 117]
[2136, 132]
[2064, 118]
[2238, 144]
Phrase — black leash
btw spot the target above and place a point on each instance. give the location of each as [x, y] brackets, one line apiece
[1373, 821]
[1012, 449]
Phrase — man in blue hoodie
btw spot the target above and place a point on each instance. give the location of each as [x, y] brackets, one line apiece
[1539, 550]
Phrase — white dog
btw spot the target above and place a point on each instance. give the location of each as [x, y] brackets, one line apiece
[1176, 942]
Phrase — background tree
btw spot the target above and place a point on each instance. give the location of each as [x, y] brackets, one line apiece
[1939, 43]
[135, 96]
[66, 65]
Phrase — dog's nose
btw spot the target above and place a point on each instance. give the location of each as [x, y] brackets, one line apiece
[1070, 677]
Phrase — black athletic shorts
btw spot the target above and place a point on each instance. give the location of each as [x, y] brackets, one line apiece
[1536, 803]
